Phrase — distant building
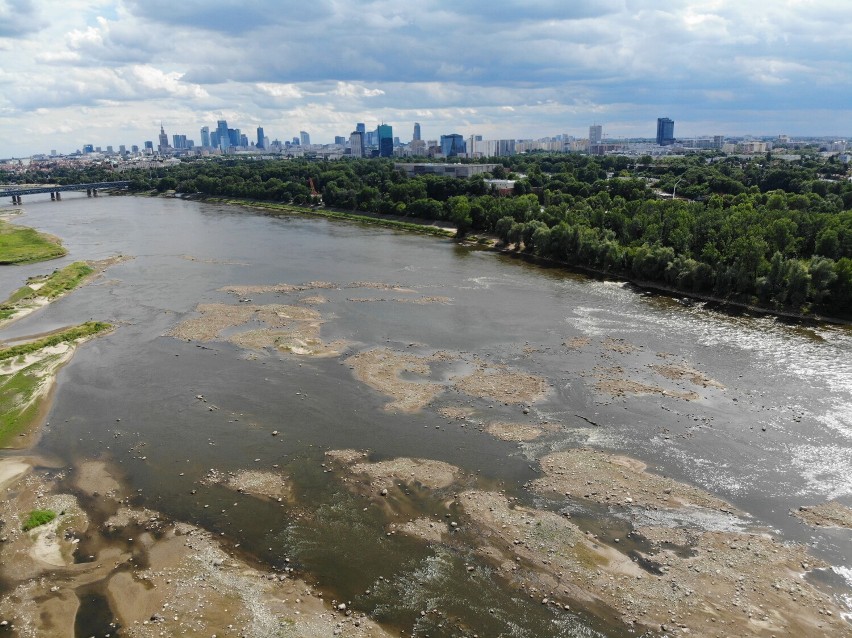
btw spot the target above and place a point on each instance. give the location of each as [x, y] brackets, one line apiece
[178, 141]
[304, 138]
[449, 170]
[416, 137]
[595, 134]
[260, 142]
[384, 135]
[164, 140]
[356, 144]
[205, 136]
[88, 148]
[665, 131]
[339, 140]
[452, 145]
[222, 138]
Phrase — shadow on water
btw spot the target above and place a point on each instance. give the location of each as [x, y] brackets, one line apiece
[94, 617]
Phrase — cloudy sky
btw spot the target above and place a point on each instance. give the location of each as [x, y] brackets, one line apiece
[109, 71]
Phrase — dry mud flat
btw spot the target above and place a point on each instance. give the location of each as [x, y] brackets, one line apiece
[160, 578]
[716, 584]
[382, 370]
[831, 514]
[291, 329]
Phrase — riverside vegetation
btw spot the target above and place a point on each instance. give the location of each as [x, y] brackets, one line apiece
[24, 245]
[756, 231]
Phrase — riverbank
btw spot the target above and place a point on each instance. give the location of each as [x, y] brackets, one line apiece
[479, 240]
[27, 376]
[729, 306]
[420, 226]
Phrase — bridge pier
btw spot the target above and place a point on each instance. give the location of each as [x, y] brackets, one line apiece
[52, 196]
[94, 192]
[88, 192]
[58, 196]
[16, 199]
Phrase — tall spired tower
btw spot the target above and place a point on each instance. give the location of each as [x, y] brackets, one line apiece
[164, 139]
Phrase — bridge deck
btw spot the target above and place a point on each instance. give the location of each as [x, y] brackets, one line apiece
[66, 187]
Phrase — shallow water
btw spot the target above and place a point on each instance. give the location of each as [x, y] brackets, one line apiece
[779, 436]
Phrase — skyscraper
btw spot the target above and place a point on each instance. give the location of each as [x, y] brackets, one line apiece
[164, 139]
[665, 131]
[384, 133]
[304, 138]
[205, 136]
[361, 128]
[222, 134]
[259, 137]
[416, 131]
[356, 144]
[595, 134]
[452, 145]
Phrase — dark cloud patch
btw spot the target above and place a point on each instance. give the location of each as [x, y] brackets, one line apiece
[19, 18]
[233, 17]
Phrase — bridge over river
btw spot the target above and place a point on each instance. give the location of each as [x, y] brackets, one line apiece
[55, 190]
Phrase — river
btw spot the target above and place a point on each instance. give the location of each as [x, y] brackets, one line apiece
[777, 435]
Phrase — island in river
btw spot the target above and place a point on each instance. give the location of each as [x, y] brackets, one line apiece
[284, 438]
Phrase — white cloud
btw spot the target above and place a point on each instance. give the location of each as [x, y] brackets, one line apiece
[535, 68]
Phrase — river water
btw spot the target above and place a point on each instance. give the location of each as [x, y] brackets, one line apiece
[778, 436]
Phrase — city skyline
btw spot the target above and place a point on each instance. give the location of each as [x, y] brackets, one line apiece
[108, 72]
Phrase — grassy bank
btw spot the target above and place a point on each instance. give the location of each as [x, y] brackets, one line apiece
[339, 214]
[31, 368]
[71, 334]
[19, 245]
[47, 287]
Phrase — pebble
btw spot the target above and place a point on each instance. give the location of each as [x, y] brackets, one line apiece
[384, 492]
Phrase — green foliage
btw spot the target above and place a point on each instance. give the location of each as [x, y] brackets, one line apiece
[38, 518]
[78, 332]
[24, 245]
[52, 286]
[719, 237]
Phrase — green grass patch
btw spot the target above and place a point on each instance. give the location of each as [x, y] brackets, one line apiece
[38, 518]
[17, 410]
[19, 405]
[61, 281]
[57, 283]
[77, 332]
[19, 245]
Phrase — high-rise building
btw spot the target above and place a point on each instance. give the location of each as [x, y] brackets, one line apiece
[452, 145]
[384, 133]
[88, 148]
[259, 137]
[304, 138]
[222, 137]
[361, 128]
[339, 140]
[665, 131]
[416, 132]
[134, 148]
[164, 139]
[356, 144]
[178, 141]
[205, 136]
[595, 134]
[149, 147]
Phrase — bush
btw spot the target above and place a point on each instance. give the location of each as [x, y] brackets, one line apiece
[38, 518]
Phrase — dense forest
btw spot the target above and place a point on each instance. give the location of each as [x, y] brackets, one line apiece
[757, 231]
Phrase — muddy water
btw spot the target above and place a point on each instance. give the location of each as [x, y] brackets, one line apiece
[779, 435]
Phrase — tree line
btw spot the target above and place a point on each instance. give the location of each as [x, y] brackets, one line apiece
[759, 231]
